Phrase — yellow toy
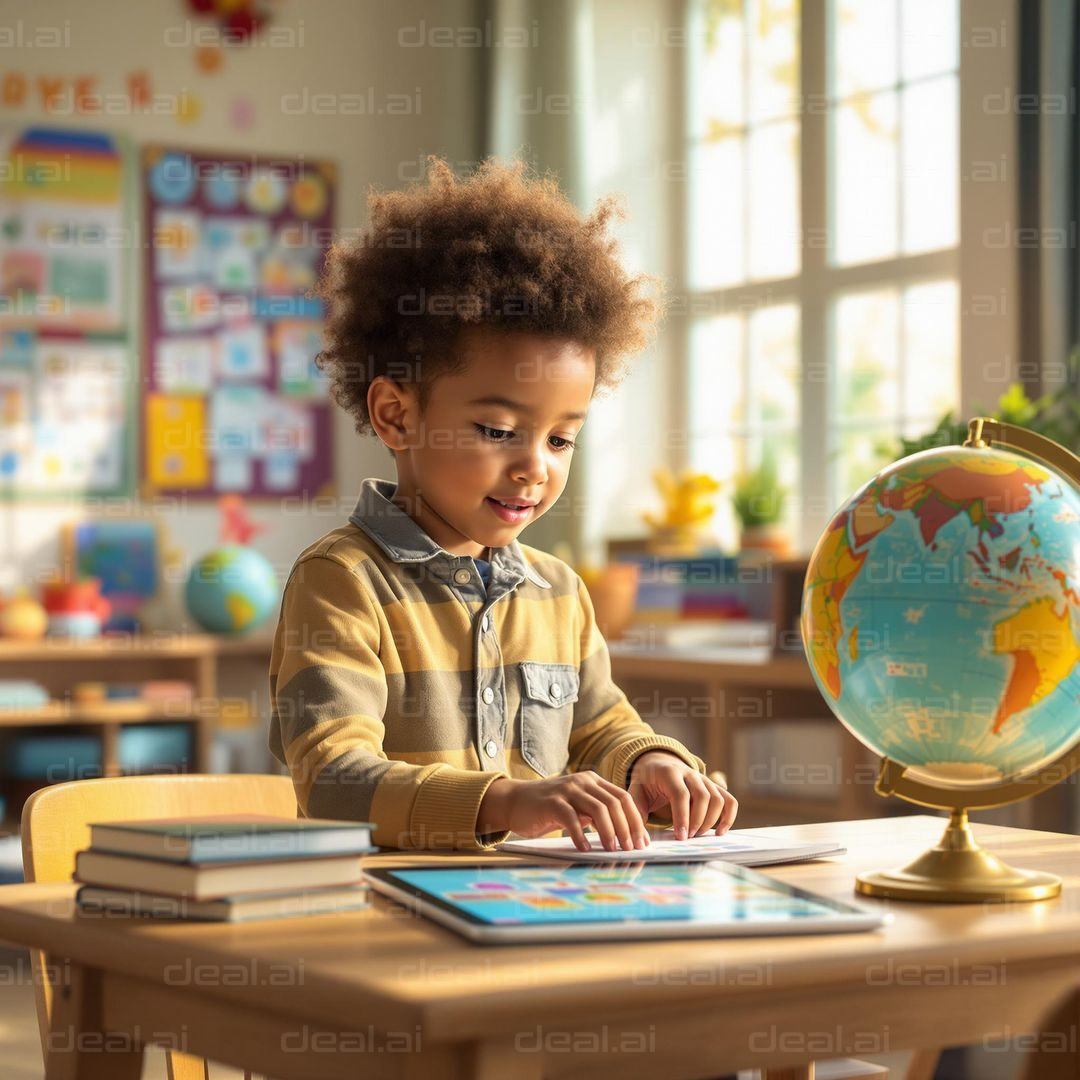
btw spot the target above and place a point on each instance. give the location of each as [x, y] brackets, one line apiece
[687, 508]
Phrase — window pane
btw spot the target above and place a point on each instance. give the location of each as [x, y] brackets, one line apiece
[929, 38]
[930, 136]
[773, 37]
[773, 393]
[867, 347]
[716, 214]
[774, 200]
[931, 350]
[861, 452]
[716, 375]
[864, 194]
[716, 87]
[864, 46]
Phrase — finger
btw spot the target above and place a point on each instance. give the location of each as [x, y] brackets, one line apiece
[624, 817]
[640, 798]
[715, 806]
[679, 798]
[601, 819]
[727, 818]
[569, 817]
[699, 802]
[627, 821]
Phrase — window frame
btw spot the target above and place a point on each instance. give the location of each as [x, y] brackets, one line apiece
[985, 271]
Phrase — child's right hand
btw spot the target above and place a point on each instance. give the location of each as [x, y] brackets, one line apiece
[534, 807]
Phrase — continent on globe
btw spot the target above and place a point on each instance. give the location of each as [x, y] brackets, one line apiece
[1031, 638]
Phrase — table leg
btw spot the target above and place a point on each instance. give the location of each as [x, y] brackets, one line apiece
[78, 1047]
[1055, 1054]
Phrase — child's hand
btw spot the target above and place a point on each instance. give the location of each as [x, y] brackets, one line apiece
[697, 803]
[535, 807]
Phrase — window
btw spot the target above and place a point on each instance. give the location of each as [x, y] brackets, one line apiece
[823, 239]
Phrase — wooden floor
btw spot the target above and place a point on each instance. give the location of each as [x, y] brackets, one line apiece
[20, 1046]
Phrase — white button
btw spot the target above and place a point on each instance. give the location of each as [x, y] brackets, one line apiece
[556, 689]
[488, 695]
[487, 623]
[491, 748]
[462, 577]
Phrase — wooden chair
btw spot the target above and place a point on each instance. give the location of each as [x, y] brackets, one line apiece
[56, 824]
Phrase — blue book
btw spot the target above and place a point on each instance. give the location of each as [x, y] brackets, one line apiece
[231, 838]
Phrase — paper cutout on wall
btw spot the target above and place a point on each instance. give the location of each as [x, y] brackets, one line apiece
[177, 456]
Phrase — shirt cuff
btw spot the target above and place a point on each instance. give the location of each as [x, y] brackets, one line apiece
[625, 756]
[446, 808]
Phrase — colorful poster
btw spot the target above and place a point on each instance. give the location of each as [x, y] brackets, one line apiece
[238, 244]
[66, 376]
[63, 264]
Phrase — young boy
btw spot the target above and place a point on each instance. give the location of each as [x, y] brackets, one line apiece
[430, 673]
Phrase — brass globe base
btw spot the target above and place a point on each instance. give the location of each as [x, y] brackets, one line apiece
[957, 870]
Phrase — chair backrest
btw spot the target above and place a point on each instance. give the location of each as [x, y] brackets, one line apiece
[56, 824]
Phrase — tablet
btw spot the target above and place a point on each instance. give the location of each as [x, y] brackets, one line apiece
[490, 903]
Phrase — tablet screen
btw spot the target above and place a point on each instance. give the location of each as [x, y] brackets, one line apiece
[555, 895]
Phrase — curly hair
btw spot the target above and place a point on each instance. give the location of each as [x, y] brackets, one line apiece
[499, 250]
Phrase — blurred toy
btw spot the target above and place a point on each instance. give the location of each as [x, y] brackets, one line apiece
[23, 617]
[233, 588]
[75, 608]
[125, 554]
[236, 524]
[612, 589]
[687, 509]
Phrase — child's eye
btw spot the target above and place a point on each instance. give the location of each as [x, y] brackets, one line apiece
[497, 435]
[494, 434]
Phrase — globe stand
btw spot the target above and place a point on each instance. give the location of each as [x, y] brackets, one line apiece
[958, 870]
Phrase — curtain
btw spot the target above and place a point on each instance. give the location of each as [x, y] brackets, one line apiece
[1048, 183]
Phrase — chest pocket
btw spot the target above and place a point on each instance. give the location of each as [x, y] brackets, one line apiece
[548, 693]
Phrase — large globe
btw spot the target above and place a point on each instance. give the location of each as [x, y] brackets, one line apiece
[940, 615]
[231, 589]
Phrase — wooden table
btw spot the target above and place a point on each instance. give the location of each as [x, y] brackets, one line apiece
[382, 993]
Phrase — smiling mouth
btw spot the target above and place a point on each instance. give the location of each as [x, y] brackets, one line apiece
[511, 513]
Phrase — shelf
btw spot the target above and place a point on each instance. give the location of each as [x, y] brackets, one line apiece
[107, 713]
[120, 647]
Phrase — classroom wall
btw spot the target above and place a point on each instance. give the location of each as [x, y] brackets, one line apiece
[339, 47]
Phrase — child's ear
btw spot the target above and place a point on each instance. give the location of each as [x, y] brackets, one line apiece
[387, 403]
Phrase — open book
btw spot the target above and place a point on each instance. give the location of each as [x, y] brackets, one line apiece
[743, 847]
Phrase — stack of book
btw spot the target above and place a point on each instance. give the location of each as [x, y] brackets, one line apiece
[227, 868]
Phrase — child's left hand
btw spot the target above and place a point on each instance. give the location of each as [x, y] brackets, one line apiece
[697, 803]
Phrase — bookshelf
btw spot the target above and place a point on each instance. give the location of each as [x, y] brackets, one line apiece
[57, 663]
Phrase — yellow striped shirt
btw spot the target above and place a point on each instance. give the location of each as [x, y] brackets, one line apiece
[401, 687]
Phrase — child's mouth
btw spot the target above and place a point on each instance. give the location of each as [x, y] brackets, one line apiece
[506, 514]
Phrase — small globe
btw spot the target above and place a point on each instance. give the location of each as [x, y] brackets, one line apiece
[940, 615]
[231, 589]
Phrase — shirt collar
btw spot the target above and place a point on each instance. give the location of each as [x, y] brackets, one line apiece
[404, 541]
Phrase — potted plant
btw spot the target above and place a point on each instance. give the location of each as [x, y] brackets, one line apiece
[758, 502]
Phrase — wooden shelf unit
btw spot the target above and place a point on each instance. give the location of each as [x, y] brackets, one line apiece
[57, 663]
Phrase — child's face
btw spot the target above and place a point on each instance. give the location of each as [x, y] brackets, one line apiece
[464, 452]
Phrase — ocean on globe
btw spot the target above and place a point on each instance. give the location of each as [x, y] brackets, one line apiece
[940, 615]
[231, 589]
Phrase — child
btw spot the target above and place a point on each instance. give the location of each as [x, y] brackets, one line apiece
[430, 673]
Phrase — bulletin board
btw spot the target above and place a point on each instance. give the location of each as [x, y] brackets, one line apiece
[232, 399]
[66, 361]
